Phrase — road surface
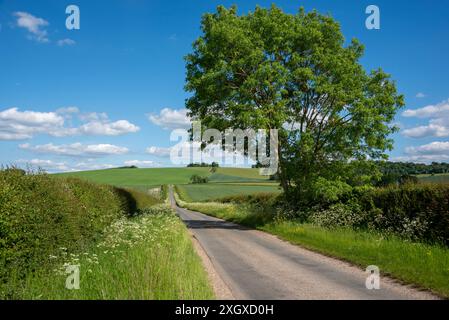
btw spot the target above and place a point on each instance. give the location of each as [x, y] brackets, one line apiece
[256, 265]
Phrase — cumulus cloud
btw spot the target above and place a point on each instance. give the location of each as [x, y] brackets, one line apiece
[158, 151]
[438, 125]
[436, 147]
[431, 130]
[107, 128]
[67, 110]
[171, 119]
[20, 125]
[48, 165]
[34, 25]
[85, 166]
[142, 163]
[437, 151]
[66, 42]
[431, 111]
[77, 149]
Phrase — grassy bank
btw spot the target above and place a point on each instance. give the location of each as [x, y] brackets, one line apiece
[40, 213]
[125, 246]
[424, 265]
[145, 257]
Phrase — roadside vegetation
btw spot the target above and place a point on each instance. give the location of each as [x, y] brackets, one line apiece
[127, 247]
[149, 256]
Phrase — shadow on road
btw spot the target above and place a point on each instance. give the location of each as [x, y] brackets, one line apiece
[205, 224]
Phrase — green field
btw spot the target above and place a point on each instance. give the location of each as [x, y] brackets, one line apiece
[437, 178]
[205, 192]
[224, 182]
[153, 177]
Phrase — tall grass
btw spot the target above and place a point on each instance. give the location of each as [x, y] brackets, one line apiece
[145, 257]
[40, 213]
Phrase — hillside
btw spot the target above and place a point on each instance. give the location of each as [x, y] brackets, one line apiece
[224, 182]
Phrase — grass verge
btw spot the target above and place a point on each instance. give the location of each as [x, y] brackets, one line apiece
[426, 266]
[145, 257]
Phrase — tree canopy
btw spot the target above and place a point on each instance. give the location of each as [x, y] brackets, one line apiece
[295, 73]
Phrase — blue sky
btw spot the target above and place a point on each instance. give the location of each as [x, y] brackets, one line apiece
[103, 95]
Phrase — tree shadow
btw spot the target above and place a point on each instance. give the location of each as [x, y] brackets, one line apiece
[208, 224]
[129, 203]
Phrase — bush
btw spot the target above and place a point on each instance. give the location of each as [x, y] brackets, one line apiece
[40, 213]
[419, 212]
[197, 179]
[339, 215]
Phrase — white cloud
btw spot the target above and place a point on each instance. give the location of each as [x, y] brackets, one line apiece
[428, 158]
[66, 42]
[420, 95]
[438, 125]
[85, 166]
[93, 116]
[107, 128]
[142, 163]
[433, 130]
[34, 25]
[67, 110]
[436, 147]
[17, 125]
[48, 165]
[20, 125]
[158, 151]
[432, 111]
[77, 149]
[54, 166]
[437, 151]
[171, 119]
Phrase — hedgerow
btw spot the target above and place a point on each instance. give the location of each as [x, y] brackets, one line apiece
[40, 213]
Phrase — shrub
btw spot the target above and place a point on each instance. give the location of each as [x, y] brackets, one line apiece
[197, 179]
[328, 191]
[339, 215]
[40, 213]
[419, 212]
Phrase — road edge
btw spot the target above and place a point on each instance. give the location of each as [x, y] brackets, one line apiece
[219, 286]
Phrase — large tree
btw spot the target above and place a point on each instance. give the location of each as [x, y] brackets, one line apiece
[273, 70]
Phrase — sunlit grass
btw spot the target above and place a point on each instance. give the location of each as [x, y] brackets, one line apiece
[211, 191]
[147, 257]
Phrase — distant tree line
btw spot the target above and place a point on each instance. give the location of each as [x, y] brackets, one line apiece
[411, 168]
[203, 165]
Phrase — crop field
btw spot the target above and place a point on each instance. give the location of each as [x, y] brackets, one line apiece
[140, 178]
[222, 183]
[437, 178]
[206, 192]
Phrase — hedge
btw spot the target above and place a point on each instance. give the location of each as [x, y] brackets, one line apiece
[40, 214]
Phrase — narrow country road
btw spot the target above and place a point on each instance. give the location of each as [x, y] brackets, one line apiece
[256, 265]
